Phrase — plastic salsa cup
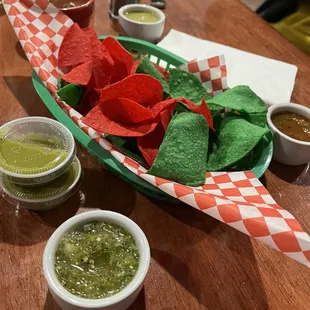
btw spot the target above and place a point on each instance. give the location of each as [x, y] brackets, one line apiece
[35, 150]
[47, 196]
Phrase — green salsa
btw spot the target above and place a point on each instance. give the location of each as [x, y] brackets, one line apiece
[55, 187]
[33, 155]
[142, 16]
[96, 260]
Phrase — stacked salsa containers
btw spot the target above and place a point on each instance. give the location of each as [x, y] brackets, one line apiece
[38, 163]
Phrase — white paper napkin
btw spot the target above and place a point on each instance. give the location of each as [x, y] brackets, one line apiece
[270, 79]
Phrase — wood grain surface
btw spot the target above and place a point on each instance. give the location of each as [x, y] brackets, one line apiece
[197, 262]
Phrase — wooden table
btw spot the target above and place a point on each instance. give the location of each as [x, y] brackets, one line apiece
[197, 262]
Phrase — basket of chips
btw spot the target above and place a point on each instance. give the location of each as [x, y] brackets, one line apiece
[147, 75]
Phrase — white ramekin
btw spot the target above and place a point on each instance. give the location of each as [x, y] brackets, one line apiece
[119, 301]
[145, 31]
[287, 150]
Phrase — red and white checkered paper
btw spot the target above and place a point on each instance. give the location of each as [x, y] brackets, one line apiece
[235, 198]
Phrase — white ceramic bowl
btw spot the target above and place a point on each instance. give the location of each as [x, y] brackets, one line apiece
[145, 31]
[287, 150]
[119, 301]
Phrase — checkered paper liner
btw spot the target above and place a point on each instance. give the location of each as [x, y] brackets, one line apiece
[235, 198]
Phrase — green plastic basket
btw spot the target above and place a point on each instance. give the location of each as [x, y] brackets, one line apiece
[138, 49]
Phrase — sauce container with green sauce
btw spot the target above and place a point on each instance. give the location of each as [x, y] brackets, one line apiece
[142, 21]
[35, 150]
[121, 300]
[287, 150]
[47, 196]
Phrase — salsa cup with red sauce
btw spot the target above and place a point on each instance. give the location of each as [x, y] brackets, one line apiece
[79, 11]
[287, 150]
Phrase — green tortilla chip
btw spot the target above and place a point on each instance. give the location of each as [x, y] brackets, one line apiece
[128, 146]
[180, 107]
[61, 83]
[236, 139]
[186, 85]
[71, 94]
[258, 119]
[146, 67]
[240, 98]
[182, 155]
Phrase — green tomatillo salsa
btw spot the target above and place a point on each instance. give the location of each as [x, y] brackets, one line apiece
[142, 16]
[96, 260]
[34, 154]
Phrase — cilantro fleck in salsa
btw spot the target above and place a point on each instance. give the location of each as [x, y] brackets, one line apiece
[96, 260]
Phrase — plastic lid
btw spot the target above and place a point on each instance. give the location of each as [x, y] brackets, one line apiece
[34, 146]
[61, 188]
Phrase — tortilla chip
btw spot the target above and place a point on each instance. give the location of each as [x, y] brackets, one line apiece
[182, 155]
[240, 98]
[186, 85]
[236, 139]
[79, 75]
[71, 94]
[123, 61]
[150, 143]
[75, 48]
[125, 111]
[145, 66]
[140, 88]
[96, 120]
[102, 67]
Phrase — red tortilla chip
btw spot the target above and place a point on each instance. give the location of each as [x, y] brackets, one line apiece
[91, 34]
[141, 88]
[97, 48]
[122, 59]
[93, 98]
[163, 72]
[169, 105]
[166, 105]
[96, 120]
[135, 65]
[102, 67]
[125, 111]
[80, 74]
[75, 48]
[102, 62]
[165, 118]
[202, 109]
[149, 144]
[89, 101]
[84, 107]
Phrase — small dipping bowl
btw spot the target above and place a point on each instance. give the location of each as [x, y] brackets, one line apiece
[80, 14]
[287, 150]
[142, 30]
[45, 197]
[120, 301]
[35, 132]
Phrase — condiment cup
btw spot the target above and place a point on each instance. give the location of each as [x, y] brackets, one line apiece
[23, 128]
[55, 197]
[287, 150]
[145, 31]
[80, 14]
[119, 301]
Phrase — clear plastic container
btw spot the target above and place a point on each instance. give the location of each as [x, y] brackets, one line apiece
[44, 197]
[35, 150]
